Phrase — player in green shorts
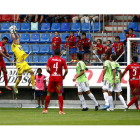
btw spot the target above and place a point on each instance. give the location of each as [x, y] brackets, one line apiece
[83, 85]
[115, 86]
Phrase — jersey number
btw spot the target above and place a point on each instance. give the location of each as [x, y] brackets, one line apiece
[134, 71]
[55, 66]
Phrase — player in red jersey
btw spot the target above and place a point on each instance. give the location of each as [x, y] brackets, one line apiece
[72, 46]
[3, 53]
[134, 76]
[55, 66]
[56, 41]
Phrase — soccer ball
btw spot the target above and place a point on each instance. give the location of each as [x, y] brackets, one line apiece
[13, 28]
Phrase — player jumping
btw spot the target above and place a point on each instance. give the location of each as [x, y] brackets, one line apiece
[134, 74]
[83, 85]
[3, 53]
[55, 66]
[21, 64]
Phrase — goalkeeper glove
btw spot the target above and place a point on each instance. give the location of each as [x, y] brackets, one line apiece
[11, 30]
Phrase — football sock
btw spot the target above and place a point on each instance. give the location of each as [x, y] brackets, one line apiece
[72, 56]
[17, 82]
[91, 96]
[82, 99]
[122, 101]
[5, 79]
[106, 98]
[47, 101]
[136, 104]
[33, 80]
[134, 99]
[110, 99]
[60, 98]
[75, 56]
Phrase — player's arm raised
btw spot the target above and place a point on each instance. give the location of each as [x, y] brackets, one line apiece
[14, 38]
[18, 38]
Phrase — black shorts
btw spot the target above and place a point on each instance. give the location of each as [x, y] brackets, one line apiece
[86, 50]
[39, 93]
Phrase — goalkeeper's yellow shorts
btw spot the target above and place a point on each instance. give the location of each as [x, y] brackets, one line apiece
[23, 67]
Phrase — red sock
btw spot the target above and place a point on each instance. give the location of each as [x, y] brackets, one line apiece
[60, 98]
[134, 99]
[75, 56]
[72, 56]
[83, 58]
[136, 104]
[47, 101]
[5, 79]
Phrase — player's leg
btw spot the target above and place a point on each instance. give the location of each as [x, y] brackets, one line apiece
[17, 82]
[42, 100]
[38, 102]
[110, 99]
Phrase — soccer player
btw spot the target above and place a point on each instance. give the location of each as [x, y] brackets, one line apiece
[3, 53]
[56, 41]
[83, 85]
[117, 86]
[55, 66]
[134, 76]
[21, 64]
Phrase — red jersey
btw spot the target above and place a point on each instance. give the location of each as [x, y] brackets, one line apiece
[3, 49]
[56, 65]
[99, 46]
[134, 71]
[86, 42]
[57, 41]
[132, 36]
[105, 49]
[66, 45]
[116, 47]
[71, 41]
[78, 44]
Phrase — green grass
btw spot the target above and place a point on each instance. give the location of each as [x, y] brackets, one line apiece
[33, 116]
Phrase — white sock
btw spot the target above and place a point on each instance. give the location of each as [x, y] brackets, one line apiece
[122, 100]
[106, 98]
[110, 99]
[82, 99]
[91, 96]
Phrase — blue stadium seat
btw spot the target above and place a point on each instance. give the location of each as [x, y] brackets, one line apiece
[6, 35]
[122, 37]
[52, 35]
[132, 25]
[34, 38]
[76, 27]
[25, 48]
[44, 27]
[24, 38]
[44, 38]
[7, 47]
[65, 27]
[44, 59]
[50, 52]
[85, 27]
[87, 35]
[10, 50]
[5, 27]
[136, 34]
[35, 59]
[35, 48]
[113, 51]
[138, 30]
[96, 27]
[63, 37]
[27, 59]
[44, 49]
[30, 60]
[25, 27]
[17, 25]
[55, 27]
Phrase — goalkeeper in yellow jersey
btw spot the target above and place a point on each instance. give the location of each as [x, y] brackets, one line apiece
[21, 64]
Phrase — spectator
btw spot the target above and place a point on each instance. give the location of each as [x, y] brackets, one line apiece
[136, 18]
[79, 18]
[65, 17]
[30, 17]
[107, 48]
[86, 44]
[50, 18]
[99, 48]
[58, 18]
[40, 18]
[72, 46]
[56, 42]
[21, 17]
[66, 45]
[91, 18]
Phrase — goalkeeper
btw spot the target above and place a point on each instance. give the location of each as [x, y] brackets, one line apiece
[21, 64]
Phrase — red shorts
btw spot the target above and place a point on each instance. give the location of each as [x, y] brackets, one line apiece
[134, 85]
[55, 85]
[2, 64]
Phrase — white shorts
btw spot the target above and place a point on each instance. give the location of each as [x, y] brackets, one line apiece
[117, 88]
[105, 85]
[83, 87]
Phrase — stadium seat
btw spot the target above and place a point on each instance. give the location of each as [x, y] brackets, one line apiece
[17, 25]
[113, 51]
[24, 38]
[76, 27]
[7, 47]
[52, 35]
[0, 17]
[25, 27]
[132, 25]
[136, 34]
[25, 48]
[5, 27]
[44, 49]
[87, 35]
[35, 59]
[85, 27]
[44, 59]
[10, 50]
[35, 48]
[65, 27]
[5, 18]
[7, 62]
[50, 52]
[96, 27]
[13, 18]
[34, 27]
[63, 37]
[55, 27]
[6, 35]
[44, 38]
[122, 37]
[34, 38]
[44, 27]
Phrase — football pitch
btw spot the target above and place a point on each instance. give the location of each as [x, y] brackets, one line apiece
[33, 116]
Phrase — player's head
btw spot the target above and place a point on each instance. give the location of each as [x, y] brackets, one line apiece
[79, 56]
[134, 59]
[66, 38]
[39, 70]
[99, 41]
[108, 42]
[117, 38]
[78, 38]
[112, 57]
[130, 30]
[105, 56]
[57, 52]
[83, 35]
[4, 40]
[56, 33]
[71, 33]
[126, 33]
